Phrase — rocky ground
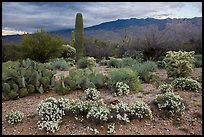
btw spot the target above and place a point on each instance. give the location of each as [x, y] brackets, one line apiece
[189, 124]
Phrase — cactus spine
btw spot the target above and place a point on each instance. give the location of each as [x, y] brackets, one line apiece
[79, 31]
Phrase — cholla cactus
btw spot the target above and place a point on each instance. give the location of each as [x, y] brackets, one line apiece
[170, 102]
[92, 94]
[51, 112]
[91, 61]
[140, 110]
[166, 88]
[179, 64]
[121, 88]
[111, 128]
[14, 117]
[186, 84]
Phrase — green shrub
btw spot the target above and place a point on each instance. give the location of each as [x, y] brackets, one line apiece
[128, 62]
[166, 88]
[86, 62]
[42, 46]
[138, 55]
[14, 117]
[92, 94]
[140, 110]
[186, 84]
[144, 69]
[171, 104]
[103, 62]
[125, 75]
[115, 63]
[60, 87]
[179, 64]
[198, 60]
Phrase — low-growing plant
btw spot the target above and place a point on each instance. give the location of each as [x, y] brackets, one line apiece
[186, 84]
[92, 94]
[125, 75]
[99, 113]
[166, 88]
[111, 128]
[140, 110]
[171, 104]
[59, 64]
[144, 69]
[103, 62]
[14, 117]
[121, 89]
[120, 111]
[179, 64]
[51, 113]
[115, 62]
[198, 60]
[138, 55]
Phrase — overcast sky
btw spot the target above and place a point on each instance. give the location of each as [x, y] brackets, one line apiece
[19, 17]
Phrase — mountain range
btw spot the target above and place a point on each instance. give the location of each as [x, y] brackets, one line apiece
[172, 29]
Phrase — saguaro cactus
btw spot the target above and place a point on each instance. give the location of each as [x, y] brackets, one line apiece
[79, 40]
[73, 39]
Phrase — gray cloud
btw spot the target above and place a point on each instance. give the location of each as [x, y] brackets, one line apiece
[29, 16]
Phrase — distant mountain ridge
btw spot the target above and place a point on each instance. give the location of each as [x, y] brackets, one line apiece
[191, 27]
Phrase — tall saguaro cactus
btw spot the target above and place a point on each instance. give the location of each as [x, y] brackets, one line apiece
[73, 39]
[79, 38]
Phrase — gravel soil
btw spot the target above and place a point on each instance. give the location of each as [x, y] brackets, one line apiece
[189, 124]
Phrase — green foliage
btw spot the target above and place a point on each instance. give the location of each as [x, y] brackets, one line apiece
[144, 69]
[115, 63]
[140, 110]
[23, 92]
[60, 87]
[84, 78]
[68, 51]
[166, 88]
[125, 75]
[179, 64]
[103, 62]
[12, 52]
[42, 46]
[85, 62]
[92, 94]
[186, 84]
[138, 55]
[58, 63]
[79, 38]
[171, 104]
[14, 117]
[161, 64]
[198, 60]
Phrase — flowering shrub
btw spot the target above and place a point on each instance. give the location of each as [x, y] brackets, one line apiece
[171, 103]
[92, 94]
[111, 128]
[99, 113]
[120, 111]
[140, 110]
[186, 84]
[121, 88]
[166, 88]
[179, 64]
[51, 111]
[14, 117]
